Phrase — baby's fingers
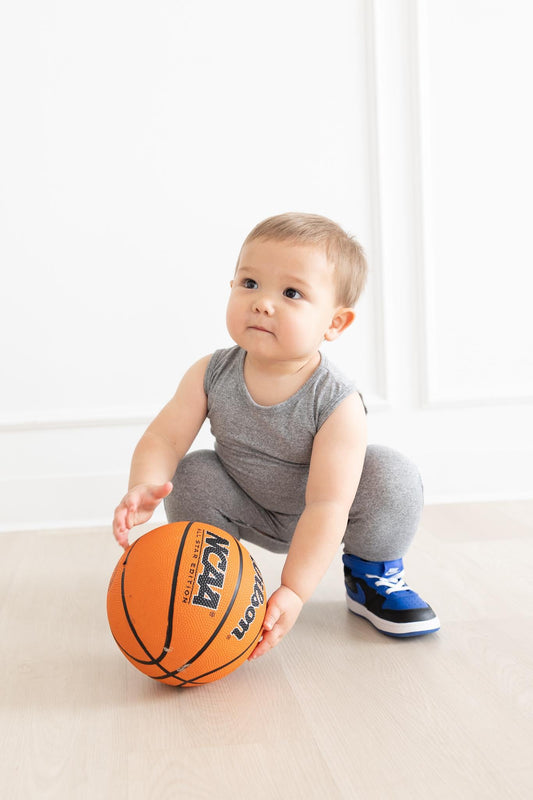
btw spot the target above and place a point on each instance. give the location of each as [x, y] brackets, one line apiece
[273, 613]
[270, 639]
[272, 632]
[131, 515]
[120, 530]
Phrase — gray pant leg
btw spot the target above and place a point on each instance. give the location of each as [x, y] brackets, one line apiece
[386, 511]
[203, 491]
[382, 522]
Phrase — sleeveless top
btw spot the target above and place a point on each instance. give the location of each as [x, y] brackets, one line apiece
[267, 449]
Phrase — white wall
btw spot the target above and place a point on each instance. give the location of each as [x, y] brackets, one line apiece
[141, 141]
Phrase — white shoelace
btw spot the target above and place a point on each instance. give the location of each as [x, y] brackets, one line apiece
[395, 583]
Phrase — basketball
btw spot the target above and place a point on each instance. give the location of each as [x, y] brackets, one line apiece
[186, 604]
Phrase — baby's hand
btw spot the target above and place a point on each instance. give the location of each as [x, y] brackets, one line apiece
[283, 609]
[137, 507]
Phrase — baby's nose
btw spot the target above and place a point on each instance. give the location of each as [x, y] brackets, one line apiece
[263, 304]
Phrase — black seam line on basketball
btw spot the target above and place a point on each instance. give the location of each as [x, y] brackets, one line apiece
[173, 592]
[193, 681]
[128, 554]
[153, 661]
[129, 620]
[186, 663]
[137, 660]
[166, 673]
[222, 621]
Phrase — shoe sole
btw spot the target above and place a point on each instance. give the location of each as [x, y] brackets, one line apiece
[399, 629]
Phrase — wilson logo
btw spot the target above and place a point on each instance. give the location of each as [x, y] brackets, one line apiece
[214, 561]
[257, 599]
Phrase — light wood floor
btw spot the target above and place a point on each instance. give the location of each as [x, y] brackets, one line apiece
[336, 711]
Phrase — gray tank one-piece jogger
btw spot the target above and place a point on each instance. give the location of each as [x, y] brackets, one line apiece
[253, 484]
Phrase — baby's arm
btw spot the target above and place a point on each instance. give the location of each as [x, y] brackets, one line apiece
[162, 446]
[334, 474]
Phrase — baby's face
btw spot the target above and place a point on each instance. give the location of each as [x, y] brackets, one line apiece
[282, 300]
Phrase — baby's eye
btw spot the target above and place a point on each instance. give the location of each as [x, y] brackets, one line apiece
[249, 283]
[292, 294]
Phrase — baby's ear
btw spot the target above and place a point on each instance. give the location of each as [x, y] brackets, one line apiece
[342, 319]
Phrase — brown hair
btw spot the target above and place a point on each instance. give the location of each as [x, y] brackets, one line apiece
[342, 250]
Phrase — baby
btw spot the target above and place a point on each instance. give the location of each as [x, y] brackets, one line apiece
[291, 469]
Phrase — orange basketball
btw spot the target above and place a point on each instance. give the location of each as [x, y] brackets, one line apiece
[186, 603]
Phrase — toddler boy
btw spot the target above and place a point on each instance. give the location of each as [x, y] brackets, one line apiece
[291, 469]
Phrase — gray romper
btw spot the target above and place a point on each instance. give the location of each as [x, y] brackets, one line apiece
[253, 483]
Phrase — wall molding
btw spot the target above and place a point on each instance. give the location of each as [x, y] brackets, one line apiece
[382, 389]
[73, 419]
[431, 392]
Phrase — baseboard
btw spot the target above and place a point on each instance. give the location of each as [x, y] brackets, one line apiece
[475, 477]
[61, 502]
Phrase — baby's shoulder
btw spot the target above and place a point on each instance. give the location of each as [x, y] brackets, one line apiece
[225, 363]
[331, 388]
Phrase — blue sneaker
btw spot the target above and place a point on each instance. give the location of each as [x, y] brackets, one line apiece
[377, 591]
